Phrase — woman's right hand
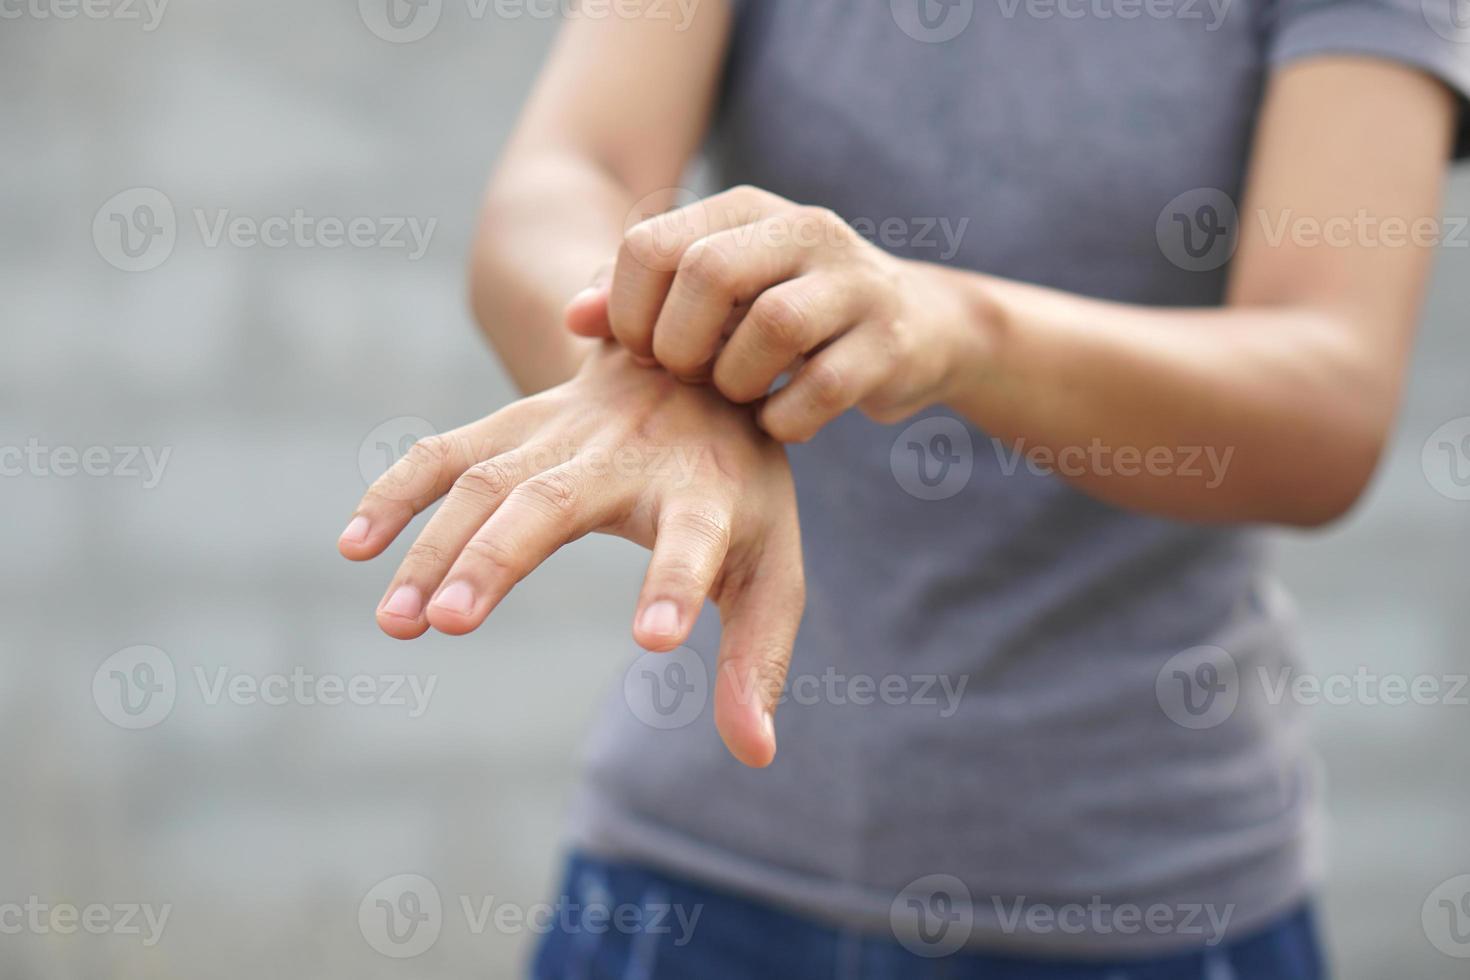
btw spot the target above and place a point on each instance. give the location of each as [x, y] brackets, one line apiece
[625, 450]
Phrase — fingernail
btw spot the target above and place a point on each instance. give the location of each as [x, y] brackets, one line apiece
[357, 530]
[456, 597]
[591, 292]
[660, 619]
[404, 602]
[768, 725]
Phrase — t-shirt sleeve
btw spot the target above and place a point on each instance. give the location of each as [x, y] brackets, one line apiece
[1432, 35]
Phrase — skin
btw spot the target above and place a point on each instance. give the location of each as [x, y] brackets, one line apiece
[581, 281]
[593, 454]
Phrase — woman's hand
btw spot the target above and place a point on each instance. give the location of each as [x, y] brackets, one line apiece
[801, 291]
[628, 451]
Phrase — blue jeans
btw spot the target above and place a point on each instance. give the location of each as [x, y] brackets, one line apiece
[626, 922]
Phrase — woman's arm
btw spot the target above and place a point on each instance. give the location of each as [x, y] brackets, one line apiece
[1291, 387]
[1299, 376]
[616, 115]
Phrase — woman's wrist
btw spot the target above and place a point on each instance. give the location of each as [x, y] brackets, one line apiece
[967, 318]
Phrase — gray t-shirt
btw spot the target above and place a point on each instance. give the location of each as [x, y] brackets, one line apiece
[1007, 697]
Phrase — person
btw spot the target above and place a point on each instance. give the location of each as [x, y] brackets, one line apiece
[1035, 315]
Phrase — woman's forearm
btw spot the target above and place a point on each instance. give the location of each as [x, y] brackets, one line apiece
[550, 220]
[1229, 414]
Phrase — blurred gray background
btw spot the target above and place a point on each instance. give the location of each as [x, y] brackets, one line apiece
[275, 377]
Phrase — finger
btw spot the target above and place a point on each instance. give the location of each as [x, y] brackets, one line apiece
[423, 475]
[586, 312]
[760, 617]
[651, 251]
[827, 385]
[473, 498]
[689, 549]
[715, 275]
[548, 510]
[785, 322]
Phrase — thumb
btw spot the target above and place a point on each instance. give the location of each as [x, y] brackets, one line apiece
[586, 312]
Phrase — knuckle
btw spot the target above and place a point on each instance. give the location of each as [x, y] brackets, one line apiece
[639, 243]
[781, 321]
[490, 552]
[749, 195]
[898, 339]
[427, 554]
[681, 576]
[825, 385]
[824, 216]
[430, 454]
[554, 494]
[490, 479]
[709, 526]
[706, 265]
[783, 427]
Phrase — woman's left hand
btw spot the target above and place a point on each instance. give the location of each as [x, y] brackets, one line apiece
[745, 286]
